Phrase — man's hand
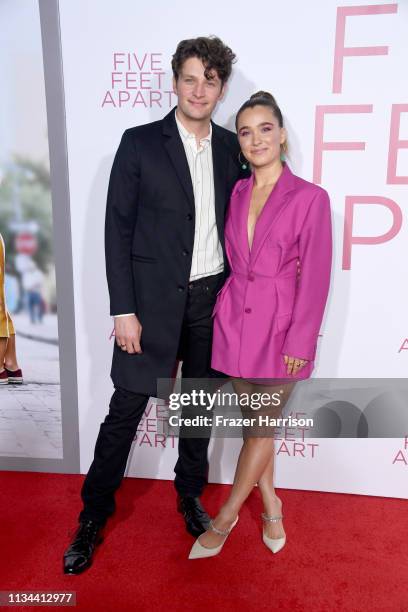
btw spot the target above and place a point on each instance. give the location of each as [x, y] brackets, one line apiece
[128, 332]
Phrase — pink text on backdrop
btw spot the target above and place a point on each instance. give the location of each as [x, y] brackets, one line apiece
[349, 239]
[149, 61]
[341, 51]
[296, 449]
[138, 80]
[395, 145]
[404, 345]
[402, 457]
[320, 145]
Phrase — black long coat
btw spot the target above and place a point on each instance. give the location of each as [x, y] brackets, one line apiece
[149, 235]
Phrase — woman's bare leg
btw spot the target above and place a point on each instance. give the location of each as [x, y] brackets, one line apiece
[10, 357]
[3, 349]
[255, 455]
[271, 502]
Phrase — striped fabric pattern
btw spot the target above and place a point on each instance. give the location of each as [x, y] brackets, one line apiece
[207, 251]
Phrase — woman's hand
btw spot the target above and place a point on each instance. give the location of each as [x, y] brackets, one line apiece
[294, 364]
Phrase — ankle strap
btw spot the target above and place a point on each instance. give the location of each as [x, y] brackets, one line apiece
[221, 532]
[271, 519]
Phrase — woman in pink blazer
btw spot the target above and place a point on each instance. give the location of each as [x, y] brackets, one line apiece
[268, 314]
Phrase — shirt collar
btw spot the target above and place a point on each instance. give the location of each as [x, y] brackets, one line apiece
[186, 135]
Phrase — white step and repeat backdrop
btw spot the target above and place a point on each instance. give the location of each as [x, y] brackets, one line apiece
[338, 73]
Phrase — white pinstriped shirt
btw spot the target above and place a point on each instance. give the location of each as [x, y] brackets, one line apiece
[207, 256]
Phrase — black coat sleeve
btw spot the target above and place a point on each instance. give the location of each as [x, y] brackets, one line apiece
[120, 220]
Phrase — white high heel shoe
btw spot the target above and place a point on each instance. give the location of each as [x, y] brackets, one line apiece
[201, 552]
[274, 544]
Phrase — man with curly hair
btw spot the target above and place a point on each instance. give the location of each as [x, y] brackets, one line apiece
[165, 261]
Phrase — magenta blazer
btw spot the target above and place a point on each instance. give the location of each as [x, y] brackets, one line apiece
[265, 308]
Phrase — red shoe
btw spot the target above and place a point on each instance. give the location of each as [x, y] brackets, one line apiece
[4, 378]
[15, 376]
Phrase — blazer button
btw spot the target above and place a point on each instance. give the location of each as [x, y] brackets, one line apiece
[251, 277]
[180, 288]
[248, 310]
[185, 252]
[189, 217]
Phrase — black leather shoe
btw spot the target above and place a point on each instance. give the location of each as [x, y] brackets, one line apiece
[78, 556]
[195, 517]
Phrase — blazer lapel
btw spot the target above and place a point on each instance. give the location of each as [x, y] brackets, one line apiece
[220, 157]
[177, 154]
[272, 210]
[239, 210]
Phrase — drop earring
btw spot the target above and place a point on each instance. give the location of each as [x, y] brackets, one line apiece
[244, 164]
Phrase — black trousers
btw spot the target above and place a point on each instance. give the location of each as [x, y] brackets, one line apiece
[126, 409]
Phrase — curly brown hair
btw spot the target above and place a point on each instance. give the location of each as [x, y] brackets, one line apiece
[214, 54]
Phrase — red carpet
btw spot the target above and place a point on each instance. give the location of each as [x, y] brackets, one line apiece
[343, 553]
